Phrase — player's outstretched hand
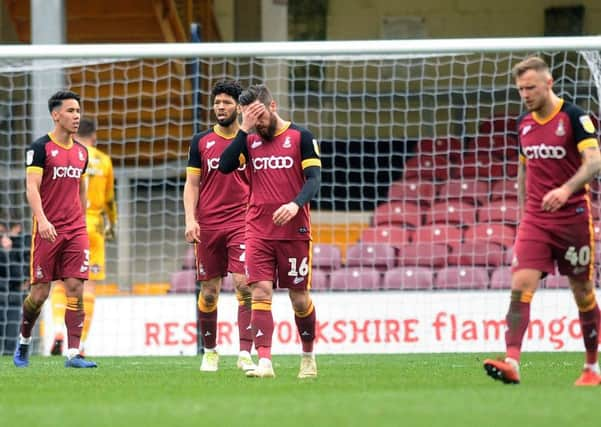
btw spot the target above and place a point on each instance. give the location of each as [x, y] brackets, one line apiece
[109, 232]
[285, 213]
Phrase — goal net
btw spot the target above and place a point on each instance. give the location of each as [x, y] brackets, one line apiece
[417, 210]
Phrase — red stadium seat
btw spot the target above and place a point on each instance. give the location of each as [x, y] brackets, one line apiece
[499, 124]
[326, 256]
[393, 236]
[355, 278]
[452, 212]
[461, 278]
[408, 278]
[445, 234]
[378, 256]
[497, 146]
[484, 254]
[555, 281]
[503, 190]
[189, 262]
[399, 213]
[429, 168]
[501, 278]
[508, 257]
[596, 210]
[423, 254]
[481, 166]
[468, 190]
[447, 146]
[418, 192]
[503, 235]
[597, 233]
[319, 280]
[502, 211]
[183, 282]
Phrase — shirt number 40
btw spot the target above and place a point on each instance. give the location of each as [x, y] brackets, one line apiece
[578, 257]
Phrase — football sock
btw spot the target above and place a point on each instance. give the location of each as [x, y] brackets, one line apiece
[261, 321]
[517, 320]
[588, 313]
[244, 327]
[74, 319]
[305, 323]
[207, 315]
[31, 312]
[89, 300]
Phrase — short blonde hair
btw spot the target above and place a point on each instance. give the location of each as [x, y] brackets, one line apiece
[531, 63]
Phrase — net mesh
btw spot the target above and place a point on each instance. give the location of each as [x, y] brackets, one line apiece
[419, 159]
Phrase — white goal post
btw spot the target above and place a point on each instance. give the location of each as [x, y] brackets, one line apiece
[397, 119]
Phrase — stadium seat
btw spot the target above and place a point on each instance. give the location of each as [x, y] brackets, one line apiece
[393, 236]
[596, 210]
[501, 278]
[500, 211]
[326, 256]
[467, 190]
[481, 166]
[501, 123]
[503, 235]
[189, 262]
[423, 254]
[319, 280]
[183, 282]
[355, 278]
[379, 256]
[452, 211]
[508, 257]
[483, 254]
[503, 190]
[555, 281]
[498, 146]
[399, 213]
[429, 168]
[597, 233]
[415, 191]
[461, 278]
[447, 146]
[408, 278]
[449, 235]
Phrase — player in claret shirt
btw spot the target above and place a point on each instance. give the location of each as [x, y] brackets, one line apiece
[285, 175]
[60, 249]
[215, 207]
[559, 155]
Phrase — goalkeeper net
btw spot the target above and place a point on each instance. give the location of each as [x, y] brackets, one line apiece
[419, 153]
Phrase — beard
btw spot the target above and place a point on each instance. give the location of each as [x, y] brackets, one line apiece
[268, 133]
[228, 121]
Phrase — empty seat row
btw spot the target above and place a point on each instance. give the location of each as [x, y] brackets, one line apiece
[422, 278]
[457, 212]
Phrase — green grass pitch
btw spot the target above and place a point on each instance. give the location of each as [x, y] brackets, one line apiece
[351, 390]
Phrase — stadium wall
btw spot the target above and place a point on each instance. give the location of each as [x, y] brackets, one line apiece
[460, 18]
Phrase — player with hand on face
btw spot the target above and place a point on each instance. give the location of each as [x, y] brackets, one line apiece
[285, 175]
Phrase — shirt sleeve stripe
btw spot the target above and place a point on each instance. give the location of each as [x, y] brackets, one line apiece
[311, 162]
[35, 169]
[193, 171]
[587, 143]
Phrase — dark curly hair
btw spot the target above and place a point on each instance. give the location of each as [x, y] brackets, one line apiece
[57, 99]
[229, 87]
